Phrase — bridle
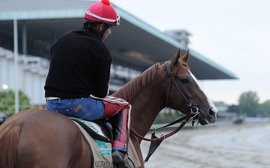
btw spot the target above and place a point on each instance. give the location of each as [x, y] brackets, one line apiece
[194, 111]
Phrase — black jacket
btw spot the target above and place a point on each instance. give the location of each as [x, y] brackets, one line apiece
[80, 66]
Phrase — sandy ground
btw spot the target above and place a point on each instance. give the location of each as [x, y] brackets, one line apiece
[218, 146]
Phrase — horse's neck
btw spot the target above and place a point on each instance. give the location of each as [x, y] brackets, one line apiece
[145, 95]
[145, 108]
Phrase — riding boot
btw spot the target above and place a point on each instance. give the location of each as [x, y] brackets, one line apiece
[118, 111]
[121, 130]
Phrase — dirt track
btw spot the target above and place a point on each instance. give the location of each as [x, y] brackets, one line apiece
[229, 146]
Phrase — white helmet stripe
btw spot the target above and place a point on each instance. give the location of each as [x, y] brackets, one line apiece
[102, 18]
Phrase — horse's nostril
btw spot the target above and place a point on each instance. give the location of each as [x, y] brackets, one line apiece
[212, 112]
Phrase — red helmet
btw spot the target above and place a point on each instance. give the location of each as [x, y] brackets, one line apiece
[102, 12]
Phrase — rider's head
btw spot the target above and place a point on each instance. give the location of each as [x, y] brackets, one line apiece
[101, 16]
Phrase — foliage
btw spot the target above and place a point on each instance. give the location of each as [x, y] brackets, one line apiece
[265, 108]
[248, 103]
[7, 102]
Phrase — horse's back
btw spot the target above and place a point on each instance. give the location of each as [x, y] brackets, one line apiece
[45, 139]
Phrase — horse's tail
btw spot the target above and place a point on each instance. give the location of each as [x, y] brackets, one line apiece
[9, 139]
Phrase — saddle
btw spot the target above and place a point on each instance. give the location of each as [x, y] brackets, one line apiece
[99, 130]
[99, 136]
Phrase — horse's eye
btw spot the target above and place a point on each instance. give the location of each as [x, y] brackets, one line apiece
[184, 80]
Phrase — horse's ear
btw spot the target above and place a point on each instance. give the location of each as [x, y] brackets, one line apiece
[185, 57]
[176, 57]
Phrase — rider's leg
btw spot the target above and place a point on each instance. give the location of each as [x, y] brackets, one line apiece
[119, 115]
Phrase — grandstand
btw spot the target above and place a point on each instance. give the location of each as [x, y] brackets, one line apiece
[135, 45]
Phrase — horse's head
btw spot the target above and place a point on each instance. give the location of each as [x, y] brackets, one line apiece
[184, 93]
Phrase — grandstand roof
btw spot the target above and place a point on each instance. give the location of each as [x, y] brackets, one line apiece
[134, 44]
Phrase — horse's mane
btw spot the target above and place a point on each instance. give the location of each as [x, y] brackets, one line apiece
[130, 90]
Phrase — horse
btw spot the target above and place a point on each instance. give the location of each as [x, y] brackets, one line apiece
[39, 138]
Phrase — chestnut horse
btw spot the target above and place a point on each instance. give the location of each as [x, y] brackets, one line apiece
[36, 139]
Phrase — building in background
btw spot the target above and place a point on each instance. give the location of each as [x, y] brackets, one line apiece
[181, 36]
[134, 45]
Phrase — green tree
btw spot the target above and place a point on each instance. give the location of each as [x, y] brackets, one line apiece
[248, 103]
[7, 102]
[265, 107]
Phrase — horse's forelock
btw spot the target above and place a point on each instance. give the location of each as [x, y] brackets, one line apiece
[183, 63]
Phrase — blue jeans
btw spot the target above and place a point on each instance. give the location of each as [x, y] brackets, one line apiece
[84, 108]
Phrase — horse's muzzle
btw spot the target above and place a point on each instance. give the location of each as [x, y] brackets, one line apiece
[208, 118]
[213, 115]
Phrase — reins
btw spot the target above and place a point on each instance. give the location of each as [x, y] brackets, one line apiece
[194, 111]
[183, 121]
[155, 141]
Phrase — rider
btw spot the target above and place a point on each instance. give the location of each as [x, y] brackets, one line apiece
[77, 82]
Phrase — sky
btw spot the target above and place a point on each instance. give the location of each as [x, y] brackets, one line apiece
[235, 34]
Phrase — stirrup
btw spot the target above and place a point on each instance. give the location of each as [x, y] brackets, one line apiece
[120, 159]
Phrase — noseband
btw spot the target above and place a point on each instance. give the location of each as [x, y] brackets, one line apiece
[194, 110]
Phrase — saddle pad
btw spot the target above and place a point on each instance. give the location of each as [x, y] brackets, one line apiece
[102, 151]
[132, 154]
